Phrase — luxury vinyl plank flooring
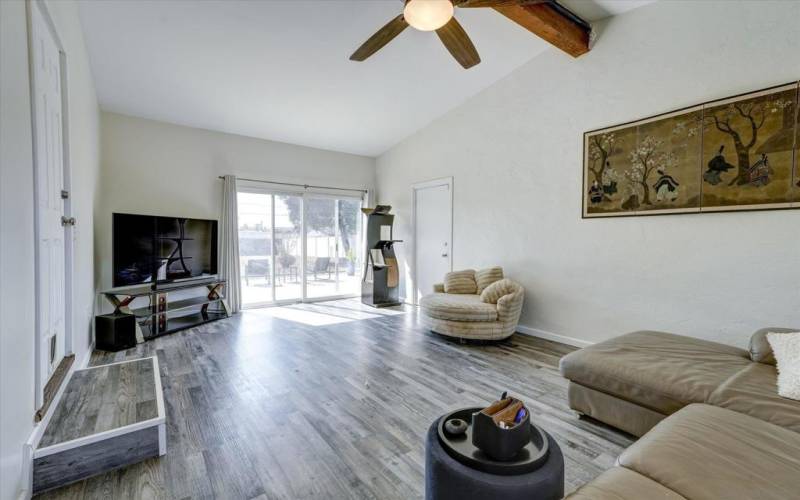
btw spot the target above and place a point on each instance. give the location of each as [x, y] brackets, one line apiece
[108, 398]
[331, 400]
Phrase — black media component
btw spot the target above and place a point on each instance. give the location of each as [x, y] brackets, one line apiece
[115, 332]
[380, 286]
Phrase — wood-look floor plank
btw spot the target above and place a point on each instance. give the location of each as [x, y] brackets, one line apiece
[263, 407]
[102, 399]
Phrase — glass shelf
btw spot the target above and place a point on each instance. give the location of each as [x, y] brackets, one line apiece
[174, 306]
[150, 328]
[146, 289]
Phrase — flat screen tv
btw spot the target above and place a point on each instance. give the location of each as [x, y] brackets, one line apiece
[155, 249]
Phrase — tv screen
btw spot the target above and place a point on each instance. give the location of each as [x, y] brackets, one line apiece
[151, 249]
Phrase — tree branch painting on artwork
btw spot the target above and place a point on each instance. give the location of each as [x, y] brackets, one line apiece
[732, 154]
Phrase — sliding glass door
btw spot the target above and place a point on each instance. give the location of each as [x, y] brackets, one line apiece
[321, 259]
[349, 219]
[333, 246]
[255, 248]
[288, 247]
[296, 247]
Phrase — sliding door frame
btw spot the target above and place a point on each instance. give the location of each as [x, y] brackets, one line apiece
[272, 245]
[303, 195]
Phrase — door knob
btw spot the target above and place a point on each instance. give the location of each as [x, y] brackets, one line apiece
[444, 255]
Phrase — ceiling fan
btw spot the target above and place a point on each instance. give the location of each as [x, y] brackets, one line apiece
[435, 15]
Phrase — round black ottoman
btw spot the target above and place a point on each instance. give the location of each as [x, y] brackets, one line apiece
[446, 478]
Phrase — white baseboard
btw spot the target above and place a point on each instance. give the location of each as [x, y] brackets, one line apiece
[535, 332]
[27, 472]
[84, 361]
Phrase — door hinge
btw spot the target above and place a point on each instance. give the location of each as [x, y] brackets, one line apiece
[67, 221]
[64, 194]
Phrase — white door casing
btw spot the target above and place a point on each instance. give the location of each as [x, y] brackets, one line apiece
[49, 169]
[433, 234]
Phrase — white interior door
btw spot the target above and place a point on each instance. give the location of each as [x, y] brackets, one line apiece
[433, 233]
[49, 183]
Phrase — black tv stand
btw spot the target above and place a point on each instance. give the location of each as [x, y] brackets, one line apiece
[162, 316]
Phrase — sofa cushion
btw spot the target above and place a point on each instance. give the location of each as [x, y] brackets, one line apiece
[705, 452]
[460, 282]
[660, 371]
[760, 350]
[458, 307]
[619, 483]
[499, 289]
[754, 391]
[485, 277]
[630, 417]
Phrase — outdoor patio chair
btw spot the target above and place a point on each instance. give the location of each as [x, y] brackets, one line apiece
[321, 265]
[256, 268]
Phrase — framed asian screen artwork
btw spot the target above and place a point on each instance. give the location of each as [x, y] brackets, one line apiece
[737, 153]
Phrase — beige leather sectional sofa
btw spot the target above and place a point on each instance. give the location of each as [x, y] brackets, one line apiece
[711, 422]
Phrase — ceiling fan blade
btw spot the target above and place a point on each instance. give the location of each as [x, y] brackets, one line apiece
[475, 4]
[380, 38]
[458, 44]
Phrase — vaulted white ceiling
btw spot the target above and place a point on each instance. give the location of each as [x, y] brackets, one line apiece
[279, 70]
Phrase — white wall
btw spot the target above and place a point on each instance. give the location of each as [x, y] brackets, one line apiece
[152, 167]
[16, 219]
[515, 153]
[16, 248]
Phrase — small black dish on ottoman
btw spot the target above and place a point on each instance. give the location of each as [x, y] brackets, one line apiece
[455, 469]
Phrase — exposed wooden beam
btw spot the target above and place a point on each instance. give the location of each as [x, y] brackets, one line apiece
[550, 24]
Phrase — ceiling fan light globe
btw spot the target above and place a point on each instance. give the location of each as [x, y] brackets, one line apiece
[428, 15]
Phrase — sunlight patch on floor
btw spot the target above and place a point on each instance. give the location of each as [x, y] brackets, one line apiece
[306, 317]
[328, 313]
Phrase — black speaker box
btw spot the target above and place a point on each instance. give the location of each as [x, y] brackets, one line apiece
[115, 332]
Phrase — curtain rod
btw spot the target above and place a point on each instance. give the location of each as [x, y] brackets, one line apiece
[304, 186]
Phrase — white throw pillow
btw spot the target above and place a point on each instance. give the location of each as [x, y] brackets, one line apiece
[786, 347]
